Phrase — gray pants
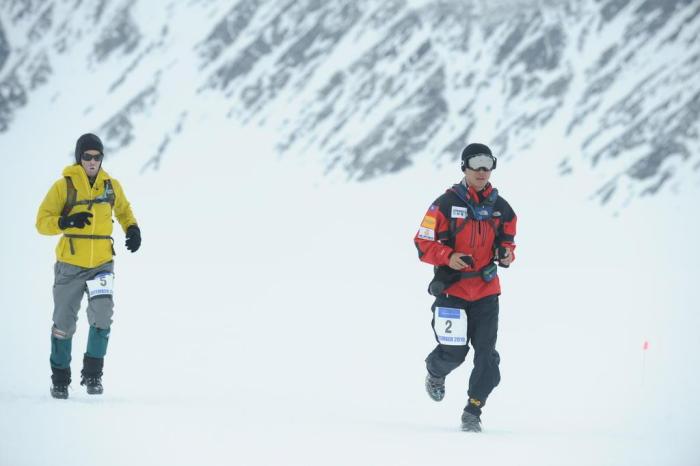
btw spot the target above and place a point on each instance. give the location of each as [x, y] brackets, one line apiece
[68, 289]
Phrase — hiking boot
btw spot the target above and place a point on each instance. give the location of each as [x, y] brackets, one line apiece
[470, 422]
[91, 375]
[93, 385]
[435, 386]
[60, 379]
[59, 392]
[471, 417]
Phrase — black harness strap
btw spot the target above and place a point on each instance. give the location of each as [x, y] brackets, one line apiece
[450, 236]
[70, 197]
[459, 198]
[71, 201]
[477, 273]
[71, 236]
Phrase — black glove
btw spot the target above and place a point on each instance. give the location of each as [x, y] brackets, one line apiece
[469, 260]
[500, 253]
[133, 238]
[78, 220]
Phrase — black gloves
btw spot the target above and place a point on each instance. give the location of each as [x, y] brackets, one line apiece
[133, 238]
[78, 220]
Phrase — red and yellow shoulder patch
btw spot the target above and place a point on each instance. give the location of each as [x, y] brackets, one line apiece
[429, 222]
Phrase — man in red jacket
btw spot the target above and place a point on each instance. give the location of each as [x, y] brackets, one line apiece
[466, 234]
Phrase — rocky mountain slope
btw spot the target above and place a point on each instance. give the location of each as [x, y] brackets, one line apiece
[369, 87]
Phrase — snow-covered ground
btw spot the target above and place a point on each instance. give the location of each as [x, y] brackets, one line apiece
[275, 317]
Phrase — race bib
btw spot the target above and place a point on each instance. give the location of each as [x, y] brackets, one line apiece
[101, 285]
[450, 326]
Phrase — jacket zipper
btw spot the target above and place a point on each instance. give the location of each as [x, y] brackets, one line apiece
[472, 235]
[94, 217]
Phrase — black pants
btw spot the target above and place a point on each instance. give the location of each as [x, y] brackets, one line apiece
[482, 319]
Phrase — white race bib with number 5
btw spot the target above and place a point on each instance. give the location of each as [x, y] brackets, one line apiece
[101, 285]
[451, 326]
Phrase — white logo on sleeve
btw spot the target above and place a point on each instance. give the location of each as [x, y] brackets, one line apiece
[426, 233]
[459, 212]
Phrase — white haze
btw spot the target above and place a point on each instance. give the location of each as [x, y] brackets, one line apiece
[274, 317]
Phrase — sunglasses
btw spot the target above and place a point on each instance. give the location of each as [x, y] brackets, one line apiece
[87, 157]
[481, 162]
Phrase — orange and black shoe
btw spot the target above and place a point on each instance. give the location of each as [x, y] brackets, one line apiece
[471, 416]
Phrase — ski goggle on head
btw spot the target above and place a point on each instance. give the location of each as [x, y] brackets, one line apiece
[479, 162]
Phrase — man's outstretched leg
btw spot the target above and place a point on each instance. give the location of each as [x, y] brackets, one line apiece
[444, 358]
[485, 376]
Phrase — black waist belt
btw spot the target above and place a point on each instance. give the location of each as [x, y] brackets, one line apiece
[445, 277]
[71, 236]
[487, 273]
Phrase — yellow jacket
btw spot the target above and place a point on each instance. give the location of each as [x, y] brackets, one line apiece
[88, 253]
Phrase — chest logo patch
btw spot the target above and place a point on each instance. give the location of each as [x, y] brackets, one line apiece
[459, 212]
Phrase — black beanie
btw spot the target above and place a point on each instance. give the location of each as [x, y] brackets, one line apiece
[87, 142]
[474, 149]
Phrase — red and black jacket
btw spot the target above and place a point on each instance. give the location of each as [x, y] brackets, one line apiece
[451, 226]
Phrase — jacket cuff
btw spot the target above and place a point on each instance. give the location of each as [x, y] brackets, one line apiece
[447, 252]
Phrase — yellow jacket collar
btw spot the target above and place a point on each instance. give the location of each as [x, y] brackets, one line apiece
[76, 171]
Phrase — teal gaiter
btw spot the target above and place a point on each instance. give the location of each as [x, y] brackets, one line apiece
[97, 342]
[60, 352]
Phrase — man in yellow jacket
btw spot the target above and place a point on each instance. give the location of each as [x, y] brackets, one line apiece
[79, 206]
